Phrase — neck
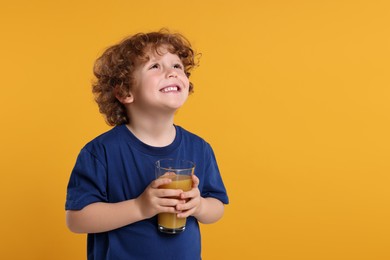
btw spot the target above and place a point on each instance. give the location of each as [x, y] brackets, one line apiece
[156, 132]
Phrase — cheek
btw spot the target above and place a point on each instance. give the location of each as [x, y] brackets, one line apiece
[186, 82]
[149, 83]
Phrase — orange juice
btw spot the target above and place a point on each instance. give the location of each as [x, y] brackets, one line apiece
[170, 220]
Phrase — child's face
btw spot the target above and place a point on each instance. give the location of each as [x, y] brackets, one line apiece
[160, 84]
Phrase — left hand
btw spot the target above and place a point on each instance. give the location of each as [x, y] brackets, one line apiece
[192, 198]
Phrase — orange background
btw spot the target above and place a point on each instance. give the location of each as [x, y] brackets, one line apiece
[293, 96]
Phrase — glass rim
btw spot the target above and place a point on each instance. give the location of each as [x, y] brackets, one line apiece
[176, 160]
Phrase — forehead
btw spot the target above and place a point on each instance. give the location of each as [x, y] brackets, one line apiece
[158, 52]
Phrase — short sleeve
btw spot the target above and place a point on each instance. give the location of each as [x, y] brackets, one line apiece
[87, 183]
[213, 185]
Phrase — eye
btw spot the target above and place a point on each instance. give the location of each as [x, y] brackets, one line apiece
[154, 66]
[178, 66]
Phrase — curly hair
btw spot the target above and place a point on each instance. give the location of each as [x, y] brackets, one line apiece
[114, 68]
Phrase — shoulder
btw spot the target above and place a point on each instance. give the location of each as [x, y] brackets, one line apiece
[190, 138]
[189, 135]
[112, 137]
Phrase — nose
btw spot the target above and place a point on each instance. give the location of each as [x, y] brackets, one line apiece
[171, 73]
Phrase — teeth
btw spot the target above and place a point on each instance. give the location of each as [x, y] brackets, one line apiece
[168, 89]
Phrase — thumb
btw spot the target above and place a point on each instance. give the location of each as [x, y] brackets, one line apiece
[195, 181]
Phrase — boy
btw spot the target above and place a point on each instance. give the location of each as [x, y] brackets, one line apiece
[112, 193]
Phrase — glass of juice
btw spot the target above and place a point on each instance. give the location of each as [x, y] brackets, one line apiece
[180, 172]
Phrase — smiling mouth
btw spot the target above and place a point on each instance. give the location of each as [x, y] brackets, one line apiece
[172, 88]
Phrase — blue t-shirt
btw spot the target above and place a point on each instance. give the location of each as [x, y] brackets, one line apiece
[116, 166]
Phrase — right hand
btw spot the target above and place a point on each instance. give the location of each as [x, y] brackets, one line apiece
[154, 200]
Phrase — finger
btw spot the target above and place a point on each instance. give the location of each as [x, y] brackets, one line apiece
[168, 209]
[161, 193]
[170, 202]
[160, 181]
[195, 181]
[169, 174]
[190, 194]
[185, 206]
[186, 195]
[185, 214]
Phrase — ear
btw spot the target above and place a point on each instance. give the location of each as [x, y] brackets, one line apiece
[129, 98]
[124, 98]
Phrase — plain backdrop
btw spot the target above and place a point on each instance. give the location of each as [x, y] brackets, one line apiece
[292, 95]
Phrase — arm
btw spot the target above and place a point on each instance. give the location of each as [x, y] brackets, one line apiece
[209, 211]
[206, 210]
[101, 217]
